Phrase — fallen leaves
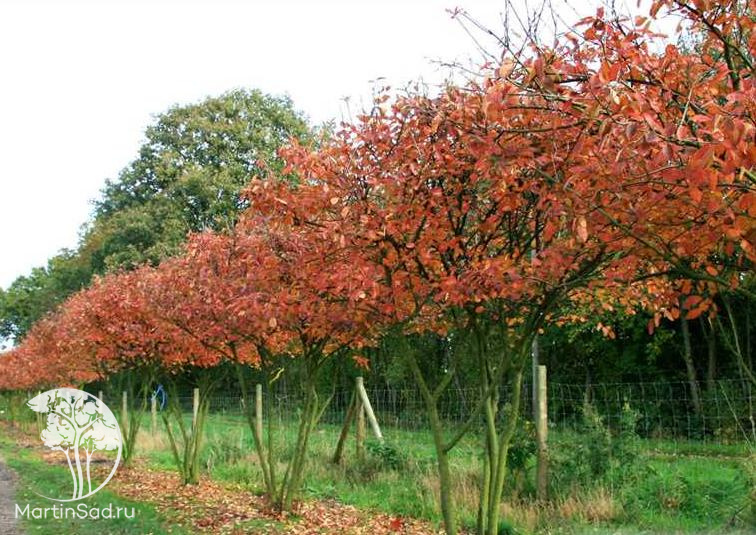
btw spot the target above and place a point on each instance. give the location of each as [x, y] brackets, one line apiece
[212, 507]
[226, 509]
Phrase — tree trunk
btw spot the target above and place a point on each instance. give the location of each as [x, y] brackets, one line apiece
[445, 479]
[138, 384]
[442, 458]
[499, 455]
[711, 354]
[749, 352]
[293, 477]
[338, 454]
[690, 368]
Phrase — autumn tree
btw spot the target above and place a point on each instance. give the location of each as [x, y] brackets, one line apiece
[416, 191]
[557, 177]
[268, 298]
[314, 294]
[109, 328]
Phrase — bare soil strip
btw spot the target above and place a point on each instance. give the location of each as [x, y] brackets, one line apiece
[8, 524]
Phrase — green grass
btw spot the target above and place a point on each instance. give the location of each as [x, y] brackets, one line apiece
[670, 487]
[667, 486]
[35, 475]
[688, 493]
[696, 447]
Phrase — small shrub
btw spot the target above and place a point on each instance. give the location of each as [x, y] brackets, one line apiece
[595, 456]
[523, 446]
[520, 458]
[505, 528]
[388, 455]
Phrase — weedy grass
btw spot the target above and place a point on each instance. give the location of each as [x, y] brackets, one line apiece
[599, 484]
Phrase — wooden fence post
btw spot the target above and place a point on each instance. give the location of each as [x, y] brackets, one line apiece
[125, 412]
[40, 420]
[100, 396]
[259, 410]
[542, 430]
[535, 357]
[195, 408]
[153, 413]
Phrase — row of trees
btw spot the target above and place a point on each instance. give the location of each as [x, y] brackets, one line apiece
[600, 174]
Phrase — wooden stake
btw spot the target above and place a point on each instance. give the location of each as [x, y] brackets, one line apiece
[125, 412]
[542, 430]
[153, 412]
[195, 408]
[360, 427]
[40, 420]
[258, 410]
[368, 409]
[535, 356]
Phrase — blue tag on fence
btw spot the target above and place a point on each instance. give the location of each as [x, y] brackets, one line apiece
[160, 394]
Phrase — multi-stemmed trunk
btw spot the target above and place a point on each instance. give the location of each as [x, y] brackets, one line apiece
[292, 479]
[282, 493]
[441, 446]
[496, 450]
[186, 445]
[138, 386]
[497, 365]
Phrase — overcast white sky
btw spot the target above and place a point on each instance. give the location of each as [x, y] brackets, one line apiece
[79, 82]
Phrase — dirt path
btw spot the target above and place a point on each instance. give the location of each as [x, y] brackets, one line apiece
[8, 525]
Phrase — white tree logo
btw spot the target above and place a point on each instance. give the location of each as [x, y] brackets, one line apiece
[78, 424]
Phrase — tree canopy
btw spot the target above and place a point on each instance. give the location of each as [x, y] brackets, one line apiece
[599, 175]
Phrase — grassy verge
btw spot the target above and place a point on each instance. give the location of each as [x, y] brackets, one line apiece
[35, 475]
[665, 487]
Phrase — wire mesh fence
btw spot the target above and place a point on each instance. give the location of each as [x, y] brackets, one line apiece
[659, 410]
[664, 409]
[680, 463]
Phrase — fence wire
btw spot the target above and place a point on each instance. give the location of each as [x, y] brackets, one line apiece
[683, 458]
[660, 410]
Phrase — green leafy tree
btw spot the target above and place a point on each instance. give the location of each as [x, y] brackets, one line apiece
[200, 156]
[29, 297]
[188, 176]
